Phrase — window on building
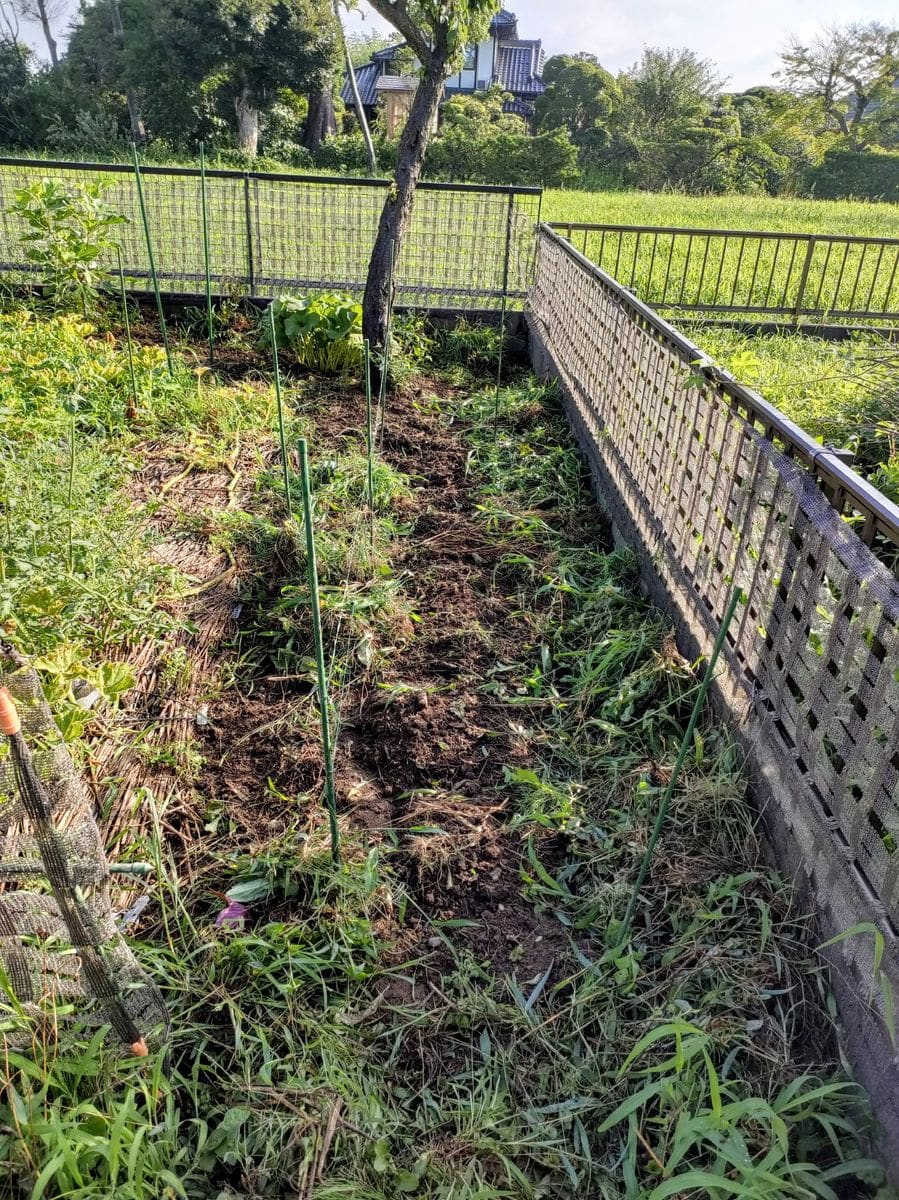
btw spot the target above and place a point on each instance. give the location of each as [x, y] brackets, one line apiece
[470, 52]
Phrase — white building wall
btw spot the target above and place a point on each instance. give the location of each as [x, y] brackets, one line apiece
[481, 74]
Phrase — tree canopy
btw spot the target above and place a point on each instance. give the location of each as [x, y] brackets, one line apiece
[852, 70]
[581, 98]
[198, 64]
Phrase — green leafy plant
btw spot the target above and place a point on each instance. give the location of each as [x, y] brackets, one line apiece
[323, 332]
[702, 1132]
[67, 235]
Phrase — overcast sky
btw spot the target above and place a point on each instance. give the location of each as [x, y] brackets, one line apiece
[743, 39]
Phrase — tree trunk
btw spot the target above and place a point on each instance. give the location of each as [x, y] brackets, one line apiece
[247, 122]
[398, 206]
[320, 122]
[48, 32]
[138, 131]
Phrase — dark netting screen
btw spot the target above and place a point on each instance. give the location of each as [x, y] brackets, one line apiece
[710, 496]
[59, 940]
[468, 246]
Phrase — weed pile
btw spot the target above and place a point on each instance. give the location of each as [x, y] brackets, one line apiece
[441, 1015]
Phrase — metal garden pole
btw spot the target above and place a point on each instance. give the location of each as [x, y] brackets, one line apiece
[499, 366]
[385, 357]
[323, 701]
[369, 439]
[152, 260]
[686, 742]
[209, 321]
[281, 438]
[132, 411]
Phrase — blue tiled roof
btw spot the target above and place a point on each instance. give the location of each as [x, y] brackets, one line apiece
[366, 79]
[518, 68]
[503, 17]
[521, 108]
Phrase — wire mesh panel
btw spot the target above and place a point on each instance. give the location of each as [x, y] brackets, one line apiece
[467, 246]
[713, 491]
[741, 271]
[62, 948]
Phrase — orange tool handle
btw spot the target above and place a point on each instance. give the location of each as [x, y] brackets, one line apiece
[9, 715]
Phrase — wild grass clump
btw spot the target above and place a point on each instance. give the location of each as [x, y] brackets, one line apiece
[839, 392]
[77, 577]
[364, 611]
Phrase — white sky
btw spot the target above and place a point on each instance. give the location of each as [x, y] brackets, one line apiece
[744, 40]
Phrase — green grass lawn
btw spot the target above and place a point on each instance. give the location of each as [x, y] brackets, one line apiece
[724, 212]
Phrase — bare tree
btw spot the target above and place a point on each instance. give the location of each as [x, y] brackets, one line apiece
[849, 68]
[9, 20]
[43, 11]
[437, 32]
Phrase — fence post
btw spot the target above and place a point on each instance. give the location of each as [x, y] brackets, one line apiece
[154, 277]
[248, 218]
[209, 319]
[803, 278]
[509, 221]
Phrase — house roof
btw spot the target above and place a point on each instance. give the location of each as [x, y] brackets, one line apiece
[519, 65]
[366, 80]
[396, 83]
[503, 22]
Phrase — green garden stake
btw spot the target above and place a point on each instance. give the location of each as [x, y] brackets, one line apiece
[369, 439]
[686, 742]
[385, 357]
[132, 412]
[281, 438]
[499, 366]
[323, 701]
[70, 493]
[154, 277]
[139, 869]
[209, 320]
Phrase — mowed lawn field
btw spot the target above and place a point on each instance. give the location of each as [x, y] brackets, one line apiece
[724, 212]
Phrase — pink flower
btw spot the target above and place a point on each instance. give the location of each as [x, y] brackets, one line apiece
[231, 917]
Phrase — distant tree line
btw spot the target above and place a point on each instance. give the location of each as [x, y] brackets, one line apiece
[667, 122]
[262, 78]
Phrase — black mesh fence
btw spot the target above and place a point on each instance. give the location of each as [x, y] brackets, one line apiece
[468, 246]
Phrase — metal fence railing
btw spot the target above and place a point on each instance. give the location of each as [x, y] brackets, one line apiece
[714, 488]
[467, 247]
[729, 272]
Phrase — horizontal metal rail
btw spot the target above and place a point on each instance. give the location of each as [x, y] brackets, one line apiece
[850, 494]
[48, 164]
[846, 277]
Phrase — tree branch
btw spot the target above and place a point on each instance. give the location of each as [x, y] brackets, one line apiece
[397, 13]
